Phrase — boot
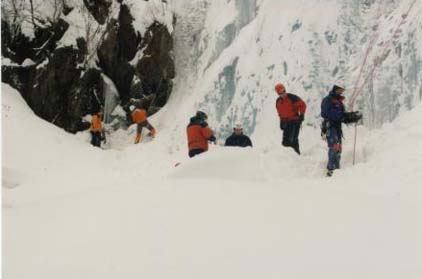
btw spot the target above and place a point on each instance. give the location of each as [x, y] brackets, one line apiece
[137, 138]
[152, 133]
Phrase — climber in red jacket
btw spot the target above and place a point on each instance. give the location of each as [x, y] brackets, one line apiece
[199, 134]
[291, 110]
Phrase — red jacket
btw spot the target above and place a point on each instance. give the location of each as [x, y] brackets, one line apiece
[289, 107]
[198, 135]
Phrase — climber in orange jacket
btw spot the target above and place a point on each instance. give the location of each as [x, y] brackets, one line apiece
[139, 116]
[198, 134]
[96, 129]
[291, 111]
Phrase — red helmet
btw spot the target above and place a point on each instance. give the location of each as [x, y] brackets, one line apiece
[280, 89]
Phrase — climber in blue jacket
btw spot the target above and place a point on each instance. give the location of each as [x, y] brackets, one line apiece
[334, 114]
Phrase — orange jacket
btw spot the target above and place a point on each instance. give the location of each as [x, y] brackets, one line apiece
[96, 125]
[139, 115]
[289, 107]
[198, 136]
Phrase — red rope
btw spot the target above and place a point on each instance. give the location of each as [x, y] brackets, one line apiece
[368, 50]
[378, 61]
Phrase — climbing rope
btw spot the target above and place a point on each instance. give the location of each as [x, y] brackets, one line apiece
[379, 59]
[385, 51]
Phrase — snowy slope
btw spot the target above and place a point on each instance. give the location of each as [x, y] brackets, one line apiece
[73, 211]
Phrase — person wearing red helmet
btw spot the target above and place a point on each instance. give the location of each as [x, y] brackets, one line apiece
[291, 111]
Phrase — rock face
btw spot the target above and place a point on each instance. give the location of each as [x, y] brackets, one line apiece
[156, 68]
[18, 47]
[64, 76]
[99, 9]
[119, 47]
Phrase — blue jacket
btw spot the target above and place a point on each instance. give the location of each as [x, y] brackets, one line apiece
[332, 108]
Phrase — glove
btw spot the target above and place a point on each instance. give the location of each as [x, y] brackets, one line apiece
[212, 139]
[301, 117]
[351, 117]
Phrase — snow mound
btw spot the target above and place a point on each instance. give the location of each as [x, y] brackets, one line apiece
[223, 163]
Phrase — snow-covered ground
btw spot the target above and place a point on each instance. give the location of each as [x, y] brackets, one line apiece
[74, 211]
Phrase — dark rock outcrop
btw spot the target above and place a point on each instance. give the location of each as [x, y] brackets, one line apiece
[99, 9]
[20, 78]
[62, 88]
[49, 95]
[113, 61]
[127, 37]
[156, 68]
[87, 97]
[19, 47]
[153, 73]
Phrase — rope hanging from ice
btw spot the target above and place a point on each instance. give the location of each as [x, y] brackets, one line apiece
[377, 62]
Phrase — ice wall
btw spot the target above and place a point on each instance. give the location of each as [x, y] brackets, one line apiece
[245, 47]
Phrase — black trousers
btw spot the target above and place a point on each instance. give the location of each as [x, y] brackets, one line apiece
[143, 125]
[194, 152]
[96, 139]
[291, 131]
